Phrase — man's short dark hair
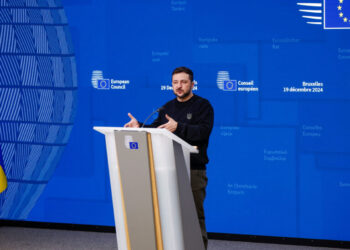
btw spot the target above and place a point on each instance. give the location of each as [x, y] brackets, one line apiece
[183, 70]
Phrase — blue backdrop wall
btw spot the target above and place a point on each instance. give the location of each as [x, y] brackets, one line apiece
[276, 72]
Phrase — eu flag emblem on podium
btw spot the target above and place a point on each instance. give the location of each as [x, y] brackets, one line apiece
[336, 14]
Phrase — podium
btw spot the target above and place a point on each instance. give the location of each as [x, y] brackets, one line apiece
[153, 204]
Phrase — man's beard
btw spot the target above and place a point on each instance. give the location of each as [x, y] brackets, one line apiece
[184, 95]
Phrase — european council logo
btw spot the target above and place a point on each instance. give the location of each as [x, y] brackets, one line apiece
[332, 14]
[104, 84]
[133, 145]
[230, 85]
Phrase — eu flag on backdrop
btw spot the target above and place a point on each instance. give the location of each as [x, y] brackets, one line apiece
[336, 14]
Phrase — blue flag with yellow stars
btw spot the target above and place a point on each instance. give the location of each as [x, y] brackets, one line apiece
[337, 14]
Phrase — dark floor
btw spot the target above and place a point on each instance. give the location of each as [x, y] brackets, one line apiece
[13, 238]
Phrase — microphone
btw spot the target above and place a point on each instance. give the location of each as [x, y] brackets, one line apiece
[156, 111]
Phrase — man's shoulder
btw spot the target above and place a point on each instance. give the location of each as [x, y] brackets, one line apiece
[201, 100]
[197, 97]
[195, 100]
[170, 103]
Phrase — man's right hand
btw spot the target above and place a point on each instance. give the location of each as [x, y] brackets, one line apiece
[133, 123]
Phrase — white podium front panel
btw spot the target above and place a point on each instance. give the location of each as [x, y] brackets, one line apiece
[150, 177]
[134, 168]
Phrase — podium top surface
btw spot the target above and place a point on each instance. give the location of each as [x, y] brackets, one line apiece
[161, 131]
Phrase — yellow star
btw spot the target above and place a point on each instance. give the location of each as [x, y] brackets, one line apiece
[341, 14]
[339, 7]
[340, 1]
[345, 19]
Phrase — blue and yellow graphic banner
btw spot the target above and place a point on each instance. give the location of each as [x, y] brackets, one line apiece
[336, 14]
[3, 181]
[275, 72]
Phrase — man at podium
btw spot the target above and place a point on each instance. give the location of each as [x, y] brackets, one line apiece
[190, 117]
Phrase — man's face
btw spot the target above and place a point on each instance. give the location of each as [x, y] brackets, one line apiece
[182, 85]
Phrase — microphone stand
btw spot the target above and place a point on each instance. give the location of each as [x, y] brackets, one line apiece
[156, 111]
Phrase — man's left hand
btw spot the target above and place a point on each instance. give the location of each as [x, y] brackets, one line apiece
[171, 125]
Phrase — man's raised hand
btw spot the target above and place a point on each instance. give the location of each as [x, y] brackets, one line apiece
[171, 125]
[133, 123]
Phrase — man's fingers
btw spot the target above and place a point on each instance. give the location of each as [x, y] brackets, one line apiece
[165, 125]
[131, 117]
[168, 117]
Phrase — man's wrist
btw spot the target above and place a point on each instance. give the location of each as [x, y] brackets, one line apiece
[178, 127]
